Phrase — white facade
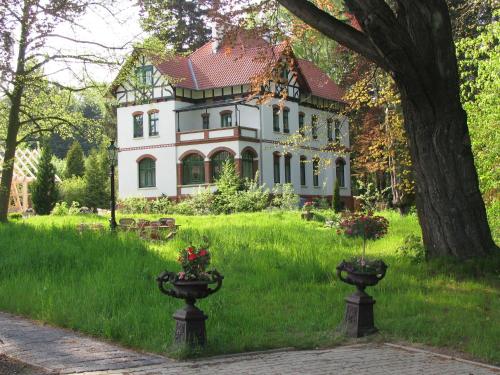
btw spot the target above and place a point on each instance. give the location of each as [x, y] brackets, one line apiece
[180, 134]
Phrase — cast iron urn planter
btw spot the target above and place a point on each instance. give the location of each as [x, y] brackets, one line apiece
[190, 320]
[358, 320]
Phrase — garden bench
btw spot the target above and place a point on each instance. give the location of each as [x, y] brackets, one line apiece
[127, 224]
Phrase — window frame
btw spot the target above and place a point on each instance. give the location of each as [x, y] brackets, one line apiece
[303, 176]
[340, 172]
[147, 174]
[187, 163]
[286, 120]
[337, 131]
[217, 164]
[288, 169]
[329, 129]
[247, 161]
[141, 73]
[153, 117]
[276, 168]
[314, 126]
[315, 166]
[302, 117]
[224, 115]
[276, 119]
[138, 125]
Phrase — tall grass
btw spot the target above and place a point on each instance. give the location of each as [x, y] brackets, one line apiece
[280, 287]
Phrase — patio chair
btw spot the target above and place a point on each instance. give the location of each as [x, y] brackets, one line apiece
[127, 224]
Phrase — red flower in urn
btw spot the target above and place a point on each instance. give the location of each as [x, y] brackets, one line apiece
[194, 262]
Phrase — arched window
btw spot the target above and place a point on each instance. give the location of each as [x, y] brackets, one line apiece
[315, 172]
[276, 119]
[218, 161]
[153, 123]
[329, 131]
[288, 169]
[301, 123]
[303, 162]
[247, 165]
[138, 129]
[337, 130]
[286, 126]
[193, 170]
[340, 171]
[276, 168]
[147, 173]
[314, 126]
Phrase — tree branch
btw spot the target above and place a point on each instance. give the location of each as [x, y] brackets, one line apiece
[334, 29]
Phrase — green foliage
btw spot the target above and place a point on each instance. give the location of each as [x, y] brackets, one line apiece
[228, 185]
[284, 197]
[15, 216]
[274, 263]
[75, 164]
[161, 205]
[59, 165]
[412, 248]
[252, 198]
[337, 203]
[96, 180]
[480, 75]
[369, 196]
[62, 209]
[72, 190]
[44, 190]
[194, 262]
[180, 24]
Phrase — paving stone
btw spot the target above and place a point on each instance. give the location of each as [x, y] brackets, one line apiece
[66, 352]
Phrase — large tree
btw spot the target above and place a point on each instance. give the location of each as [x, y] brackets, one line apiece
[412, 40]
[32, 97]
[180, 24]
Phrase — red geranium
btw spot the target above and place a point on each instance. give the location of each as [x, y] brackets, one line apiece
[194, 262]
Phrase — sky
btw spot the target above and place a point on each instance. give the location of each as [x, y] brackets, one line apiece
[97, 25]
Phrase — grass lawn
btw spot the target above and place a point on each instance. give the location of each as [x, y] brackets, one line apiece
[279, 288]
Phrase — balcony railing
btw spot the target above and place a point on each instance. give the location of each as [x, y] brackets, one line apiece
[207, 135]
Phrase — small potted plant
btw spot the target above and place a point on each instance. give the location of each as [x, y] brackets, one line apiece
[190, 284]
[363, 272]
[307, 210]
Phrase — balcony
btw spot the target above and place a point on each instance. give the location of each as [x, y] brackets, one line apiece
[216, 135]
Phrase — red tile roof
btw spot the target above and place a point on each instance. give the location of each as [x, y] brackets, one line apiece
[237, 64]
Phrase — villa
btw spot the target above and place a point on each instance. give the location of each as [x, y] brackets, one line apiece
[179, 118]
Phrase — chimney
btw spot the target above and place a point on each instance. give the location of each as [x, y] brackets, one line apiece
[215, 37]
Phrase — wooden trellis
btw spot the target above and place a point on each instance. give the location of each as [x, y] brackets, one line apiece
[25, 171]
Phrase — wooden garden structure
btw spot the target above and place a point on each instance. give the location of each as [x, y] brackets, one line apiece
[25, 171]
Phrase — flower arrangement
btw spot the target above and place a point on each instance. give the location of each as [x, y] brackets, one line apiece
[194, 262]
[308, 206]
[365, 226]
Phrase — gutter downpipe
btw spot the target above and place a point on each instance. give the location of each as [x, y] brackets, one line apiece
[261, 156]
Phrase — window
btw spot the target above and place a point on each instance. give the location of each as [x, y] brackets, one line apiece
[147, 173]
[138, 130]
[329, 129]
[284, 75]
[314, 126]
[205, 120]
[247, 165]
[303, 180]
[276, 167]
[286, 127]
[153, 124]
[337, 130]
[276, 119]
[218, 161]
[315, 172]
[288, 172]
[301, 123]
[340, 172]
[193, 170]
[145, 75]
[226, 119]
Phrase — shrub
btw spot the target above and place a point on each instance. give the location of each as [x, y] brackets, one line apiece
[60, 209]
[412, 248]
[228, 184]
[370, 196]
[285, 197]
[44, 189]
[337, 203]
[133, 205]
[253, 197]
[72, 190]
[161, 205]
[15, 216]
[74, 208]
[96, 180]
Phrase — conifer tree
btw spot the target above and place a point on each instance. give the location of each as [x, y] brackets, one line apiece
[44, 189]
[181, 24]
[75, 166]
[337, 204]
[96, 180]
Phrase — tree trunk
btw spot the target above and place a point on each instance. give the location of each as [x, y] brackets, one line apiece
[450, 208]
[14, 116]
[415, 44]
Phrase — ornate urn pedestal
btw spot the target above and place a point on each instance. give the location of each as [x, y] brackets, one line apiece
[359, 320]
[307, 215]
[190, 320]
